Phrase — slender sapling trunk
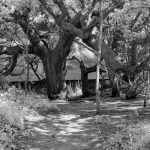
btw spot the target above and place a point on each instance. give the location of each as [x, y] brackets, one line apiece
[98, 59]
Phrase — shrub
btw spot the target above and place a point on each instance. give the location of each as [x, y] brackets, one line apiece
[11, 121]
[31, 101]
[12, 113]
[41, 105]
[133, 137]
[14, 107]
[76, 92]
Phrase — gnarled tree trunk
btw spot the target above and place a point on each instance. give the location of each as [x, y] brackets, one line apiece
[53, 63]
[54, 74]
[84, 80]
[115, 87]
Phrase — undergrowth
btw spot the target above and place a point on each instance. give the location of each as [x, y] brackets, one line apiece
[31, 101]
[15, 106]
[132, 137]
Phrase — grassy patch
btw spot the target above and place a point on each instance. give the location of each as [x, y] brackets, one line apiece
[132, 137]
[31, 101]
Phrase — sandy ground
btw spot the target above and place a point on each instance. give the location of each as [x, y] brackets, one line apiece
[77, 127]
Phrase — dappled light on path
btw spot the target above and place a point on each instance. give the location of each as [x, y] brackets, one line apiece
[77, 127]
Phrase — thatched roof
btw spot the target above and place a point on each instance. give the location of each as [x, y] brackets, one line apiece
[73, 66]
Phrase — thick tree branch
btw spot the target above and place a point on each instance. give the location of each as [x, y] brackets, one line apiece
[10, 67]
[33, 36]
[10, 50]
[73, 30]
[106, 54]
[63, 47]
[16, 50]
[62, 7]
[47, 8]
[95, 21]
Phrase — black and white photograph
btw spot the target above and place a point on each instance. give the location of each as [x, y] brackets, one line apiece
[74, 74]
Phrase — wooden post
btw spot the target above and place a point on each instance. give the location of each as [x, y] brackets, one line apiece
[147, 89]
[27, 71]
[99, 41]
[148, 82]
[27, 62]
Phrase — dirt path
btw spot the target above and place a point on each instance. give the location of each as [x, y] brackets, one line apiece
[78, 128]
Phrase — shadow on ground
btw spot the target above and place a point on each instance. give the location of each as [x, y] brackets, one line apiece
[78, 128]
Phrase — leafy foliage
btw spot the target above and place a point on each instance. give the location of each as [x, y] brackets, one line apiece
[15, 108]
[50, 21]
[134, 136]
[31, 101]
[11, 121]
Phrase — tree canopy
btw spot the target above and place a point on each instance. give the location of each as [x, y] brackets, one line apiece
[48, 28]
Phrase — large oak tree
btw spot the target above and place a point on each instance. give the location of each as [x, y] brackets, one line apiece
[69, 20]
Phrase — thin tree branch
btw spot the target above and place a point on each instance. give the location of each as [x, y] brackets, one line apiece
[133, 22]
[34, 70]
[84, 45]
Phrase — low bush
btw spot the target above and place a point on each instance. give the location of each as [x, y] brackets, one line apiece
[31, 101]
[76, 92]
[15, 106]
[11, 121]
[133, 137]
